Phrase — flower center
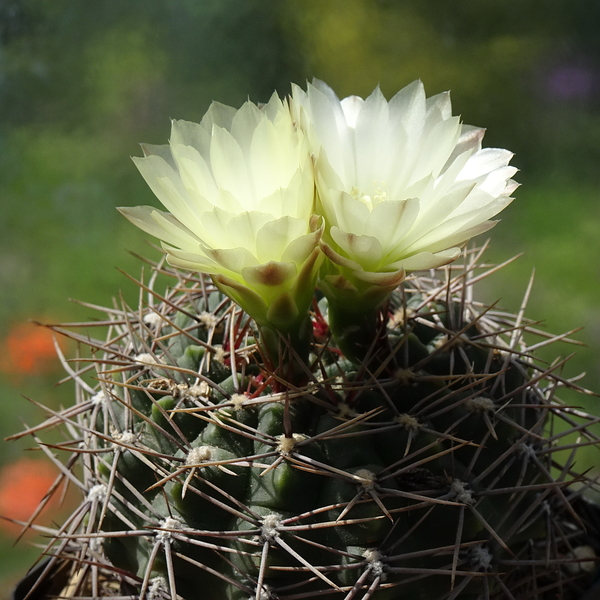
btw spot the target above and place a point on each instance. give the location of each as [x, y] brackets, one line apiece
[380, 195]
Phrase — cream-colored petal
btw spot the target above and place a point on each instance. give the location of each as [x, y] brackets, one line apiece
[272, 161]
[234, 260]
[337, 258]
[351, 107]
[440, 104]
[244, 123]
[437, 212]
[159, 224]
[328, 120]
[371, 129]
[407, 110]
[484, 162]
[276, 108]
[275, 236]
[186, 133]
[195, 263]
[351, 215]
[469, 141]
[437, 146]
[218, 114]
[299, 249]
[195, 175]
[296, 199]
[436, 244]
[383, 279]
[245, 229]
[271, 274]
[391, 221]
[229, 167]
[166, 184]
[163, 151]
[366, 250]
[427, 260]
[191, 258]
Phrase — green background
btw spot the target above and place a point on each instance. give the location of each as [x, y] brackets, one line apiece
[82, 83]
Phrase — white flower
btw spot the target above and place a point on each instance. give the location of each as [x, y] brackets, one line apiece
[239, 188]
[403, 185]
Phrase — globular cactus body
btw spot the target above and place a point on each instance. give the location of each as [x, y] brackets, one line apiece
[429, 471]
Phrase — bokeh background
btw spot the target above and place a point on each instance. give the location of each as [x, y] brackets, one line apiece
[81, 83]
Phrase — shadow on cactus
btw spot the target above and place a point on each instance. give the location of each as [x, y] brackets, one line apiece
[386, 437]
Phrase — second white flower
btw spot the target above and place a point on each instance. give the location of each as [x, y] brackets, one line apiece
[403, 185]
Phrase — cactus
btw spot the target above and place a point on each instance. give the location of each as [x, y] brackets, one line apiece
[438, 468]
[294, 418]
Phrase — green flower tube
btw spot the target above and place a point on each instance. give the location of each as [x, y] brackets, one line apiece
[239, 190]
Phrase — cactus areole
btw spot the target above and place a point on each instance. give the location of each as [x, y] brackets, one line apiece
[312, 405]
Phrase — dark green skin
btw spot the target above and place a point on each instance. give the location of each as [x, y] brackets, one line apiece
[410, 519]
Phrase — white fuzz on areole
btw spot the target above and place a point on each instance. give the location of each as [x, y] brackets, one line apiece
[97, 493]
[481, 558]
[166, 526]
[480, 404]
[285, 444]
[157, 589]
[376, 565]
[199, 390]
[366, 478]
[527, 450]
[153, 319]
[238, 400]
[209, 320]
[584, 560]
[462, 492]
[264, 594]
[199, 455]
[270, 526]
[408, 422]
[100, 398]
[218, 353]
[123, 438]
[404, 375]
[146, 359]
[345, 411]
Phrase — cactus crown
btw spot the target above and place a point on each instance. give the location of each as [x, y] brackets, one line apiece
[397, 440]
[439, 467]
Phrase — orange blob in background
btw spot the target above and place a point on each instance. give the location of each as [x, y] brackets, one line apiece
[23, 485]
[29, 349]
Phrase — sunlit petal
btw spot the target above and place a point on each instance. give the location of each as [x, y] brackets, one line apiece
[402, 184]
[240, 192]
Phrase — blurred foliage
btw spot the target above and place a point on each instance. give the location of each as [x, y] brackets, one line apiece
[81, 83]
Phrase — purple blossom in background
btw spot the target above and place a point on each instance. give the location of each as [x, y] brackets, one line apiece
[570, 82]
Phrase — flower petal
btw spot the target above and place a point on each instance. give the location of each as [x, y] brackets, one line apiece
[234, 260]
[271, 274]
[366, 250]
[428, 260]
[391, 221]
[186, 133]
[229, 166]
[274, 237]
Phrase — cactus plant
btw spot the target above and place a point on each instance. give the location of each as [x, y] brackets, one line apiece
[397, 440]
[432, 471]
